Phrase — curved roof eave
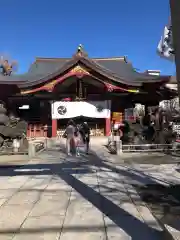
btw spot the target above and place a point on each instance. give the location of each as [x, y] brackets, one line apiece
[32, 80]
[140, 77]
[87, 62]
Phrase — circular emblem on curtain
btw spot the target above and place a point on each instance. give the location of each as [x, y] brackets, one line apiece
[99, 108]
[62, 110]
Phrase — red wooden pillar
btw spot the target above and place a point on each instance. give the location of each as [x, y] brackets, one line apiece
[108, 126]
[54, 127]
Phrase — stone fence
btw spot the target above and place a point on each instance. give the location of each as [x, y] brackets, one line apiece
[35, 147]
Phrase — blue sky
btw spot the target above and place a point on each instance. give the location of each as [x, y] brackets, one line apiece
[105, 28]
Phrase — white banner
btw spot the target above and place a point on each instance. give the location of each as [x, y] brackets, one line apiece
[165, 47]
[93, 109]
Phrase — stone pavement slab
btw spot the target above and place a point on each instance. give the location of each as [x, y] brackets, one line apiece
[42, 227]
[122, 195]
[81, 215]
[144, 172]
[83, 198]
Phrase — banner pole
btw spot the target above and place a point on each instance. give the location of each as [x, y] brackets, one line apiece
[175, 20]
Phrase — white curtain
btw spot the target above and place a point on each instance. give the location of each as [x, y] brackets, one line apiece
[93, 109]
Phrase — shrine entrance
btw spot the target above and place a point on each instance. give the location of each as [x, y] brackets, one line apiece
[97, 125]
[96, 113]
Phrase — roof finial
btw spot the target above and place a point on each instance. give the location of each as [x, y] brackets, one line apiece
[80, 47]
[80, 51]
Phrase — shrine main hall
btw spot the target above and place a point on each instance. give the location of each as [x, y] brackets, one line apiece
[81, 88]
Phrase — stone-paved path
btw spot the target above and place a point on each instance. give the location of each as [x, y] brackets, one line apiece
[55, 197]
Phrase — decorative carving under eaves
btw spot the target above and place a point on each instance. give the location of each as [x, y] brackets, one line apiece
[79, 98]
[50, 85]
[79, 71]
[110, 87]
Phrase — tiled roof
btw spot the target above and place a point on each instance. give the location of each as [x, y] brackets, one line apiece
[117, 69]
[115, 65]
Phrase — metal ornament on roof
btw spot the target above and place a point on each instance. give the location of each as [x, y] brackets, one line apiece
[80, 47]
[80, 51]
[7, 66]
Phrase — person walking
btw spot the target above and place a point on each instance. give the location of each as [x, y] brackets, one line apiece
[85, 132]
[70, 136]
[77, 137]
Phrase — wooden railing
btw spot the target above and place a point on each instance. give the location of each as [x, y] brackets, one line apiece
[93, 132]
[37, 130]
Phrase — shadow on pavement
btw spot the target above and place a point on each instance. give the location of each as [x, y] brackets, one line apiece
[163, 201]
[130, 224]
